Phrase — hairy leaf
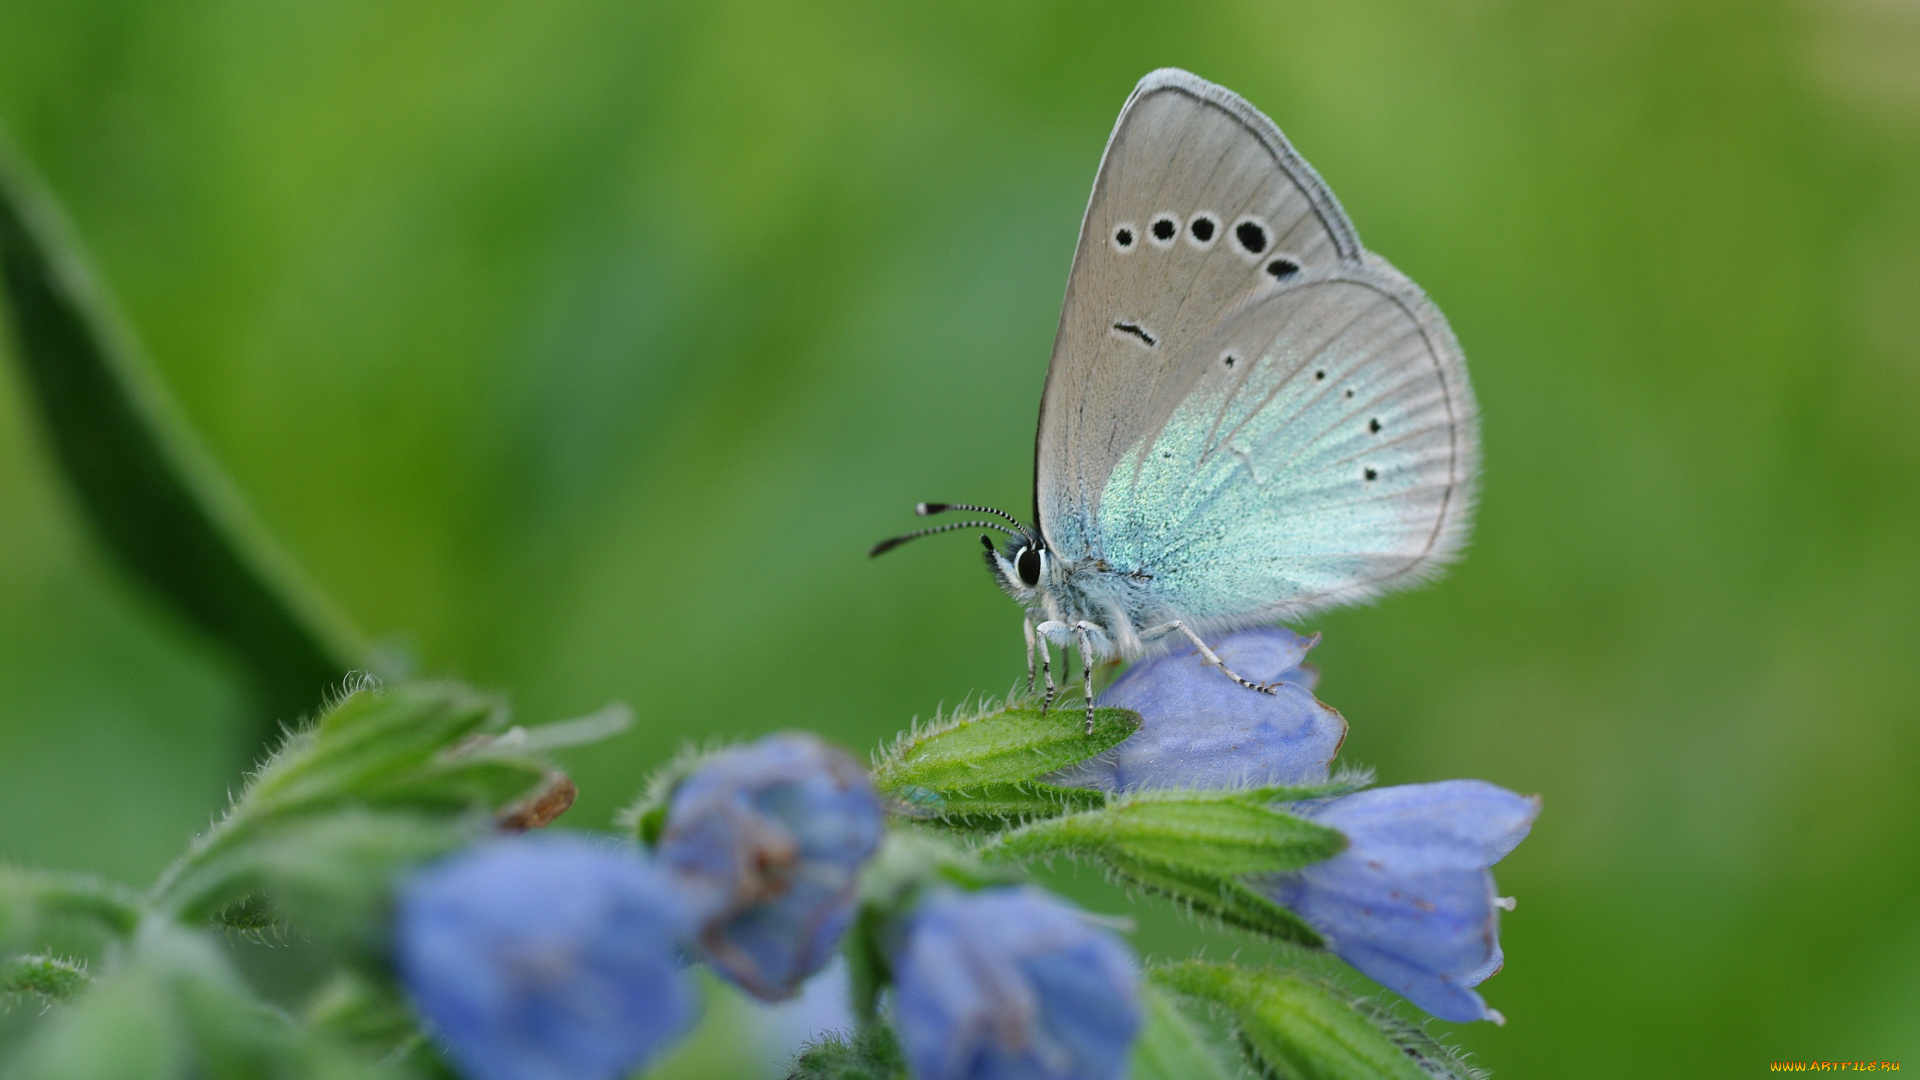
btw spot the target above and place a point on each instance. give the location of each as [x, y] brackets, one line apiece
[1299, 1028]
[1176, 1043]
[33, 900]
[1223, 838]
[53, 978]
[990, 806]
[870, 1053]
[1010, 746]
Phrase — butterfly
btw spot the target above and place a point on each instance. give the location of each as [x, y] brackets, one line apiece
[1247, 416]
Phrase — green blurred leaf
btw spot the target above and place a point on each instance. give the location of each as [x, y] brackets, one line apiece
[173, 1010]
[369, 1016]
[1009, 746]
[329, 876]
[1173, 1045]
[871, 1053]
[33, 900]
[156, 500]
[1298, 1028]
[53, 978]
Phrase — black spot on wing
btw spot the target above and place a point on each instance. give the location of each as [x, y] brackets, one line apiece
[1136, 330]
[1252, 237]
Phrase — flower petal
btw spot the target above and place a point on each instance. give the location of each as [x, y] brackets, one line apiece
[1411, 903]
[545, 957]
[1199, 729]
[1012, 984]
[769, 839]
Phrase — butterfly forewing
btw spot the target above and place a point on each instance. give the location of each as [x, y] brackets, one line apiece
[1200, 207]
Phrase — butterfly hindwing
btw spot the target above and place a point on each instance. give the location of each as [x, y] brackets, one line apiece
[1322, 451]
[1238, 215]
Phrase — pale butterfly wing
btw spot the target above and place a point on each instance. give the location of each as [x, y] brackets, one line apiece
[1320, 450]
[1285, 430]
[1182, 150]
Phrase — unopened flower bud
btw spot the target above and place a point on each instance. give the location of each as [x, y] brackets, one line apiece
[545, 957]
[766, 841]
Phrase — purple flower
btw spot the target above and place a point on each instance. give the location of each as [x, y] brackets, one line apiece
[1411, 903]
[1201, 729]
[767, 841]
[545, 957]
[1012, 984]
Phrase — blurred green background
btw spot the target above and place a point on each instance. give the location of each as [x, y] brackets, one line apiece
[580, 348]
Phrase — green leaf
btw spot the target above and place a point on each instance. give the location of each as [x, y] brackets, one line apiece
[329, 876]
[646, 816]
[1229, 901]
[1295, 1027]
[1224, 838]
[174, 1010]
[52, 978]
[365, 1014]
[872, 1053]
[372, 741]
[32, 901]
[156, 500]
[427, 749]
[1198, 850]
[1176, 1044]
[1010, 746]
[991, 806]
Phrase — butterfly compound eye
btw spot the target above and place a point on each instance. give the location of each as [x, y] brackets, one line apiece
[1027, 564]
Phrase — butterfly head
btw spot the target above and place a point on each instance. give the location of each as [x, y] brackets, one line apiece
[1020, 568]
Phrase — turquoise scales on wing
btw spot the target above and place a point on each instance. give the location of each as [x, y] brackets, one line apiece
[1316, 468]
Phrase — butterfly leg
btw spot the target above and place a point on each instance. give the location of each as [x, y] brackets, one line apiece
[1086, 668]
[1027, 625]
[1040, 635]
[1210, 656]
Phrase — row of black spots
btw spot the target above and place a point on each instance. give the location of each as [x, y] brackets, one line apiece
[1203, 229]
